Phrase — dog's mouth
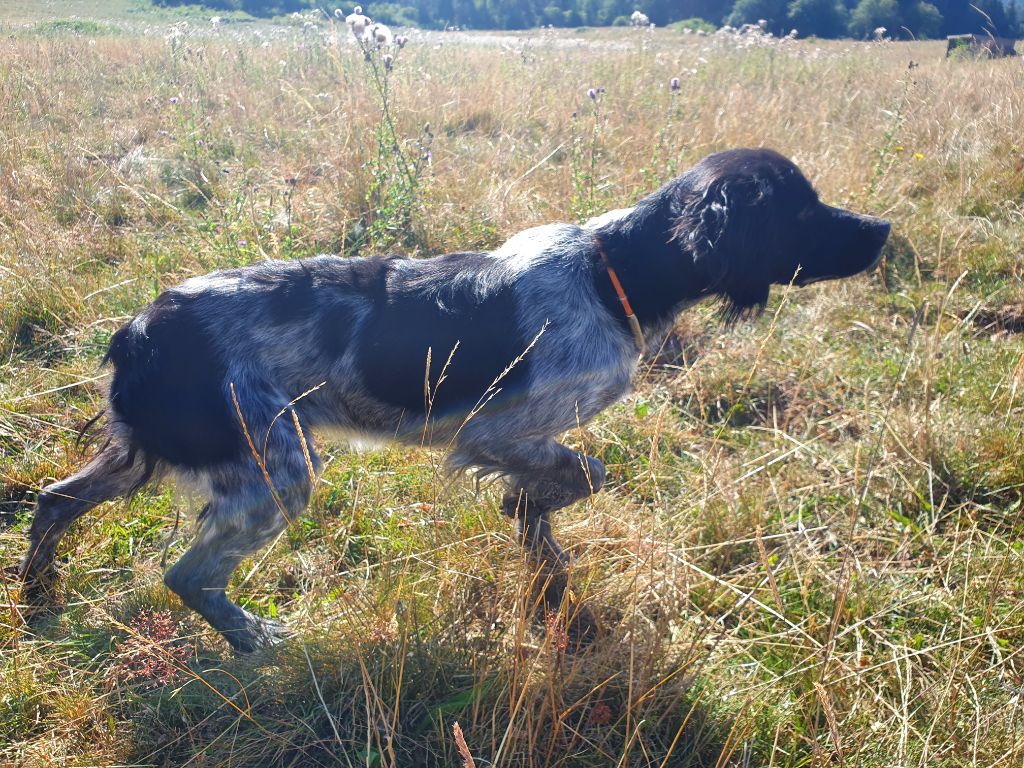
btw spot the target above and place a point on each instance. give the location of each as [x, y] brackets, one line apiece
[877, 260]
[803, 279]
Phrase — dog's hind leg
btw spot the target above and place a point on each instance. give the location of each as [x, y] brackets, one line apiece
[245, 513]
[115, 472]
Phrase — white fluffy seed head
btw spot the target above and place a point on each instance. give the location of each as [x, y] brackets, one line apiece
[381, 34]
[357, 23]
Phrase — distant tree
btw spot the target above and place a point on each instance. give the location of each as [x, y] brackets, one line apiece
[394, 14]
[922, 19]
[603, 12]
[559, 15]
[915, 18]
[871, 14]
[1015, 16]
[990, 15]
[751, 11]
[963, 16]
[824, 18]
[712, 10]
[466, 13]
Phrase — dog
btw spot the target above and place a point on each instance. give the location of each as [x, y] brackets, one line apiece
[222, 379]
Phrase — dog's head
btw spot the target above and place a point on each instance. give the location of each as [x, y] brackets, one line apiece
[751, 219]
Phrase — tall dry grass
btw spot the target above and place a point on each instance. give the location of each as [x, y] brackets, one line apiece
[809, 549]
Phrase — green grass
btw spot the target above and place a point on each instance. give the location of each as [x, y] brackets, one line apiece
[809, 549]
[89, 17]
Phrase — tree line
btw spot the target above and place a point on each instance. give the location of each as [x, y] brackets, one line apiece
[822, 18]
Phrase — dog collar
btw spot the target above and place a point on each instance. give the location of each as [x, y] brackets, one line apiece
[634, 324]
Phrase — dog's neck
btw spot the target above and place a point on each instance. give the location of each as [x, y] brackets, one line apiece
[620, 292]
[655, 269]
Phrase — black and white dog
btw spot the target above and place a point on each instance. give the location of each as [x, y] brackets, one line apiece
[492, 355]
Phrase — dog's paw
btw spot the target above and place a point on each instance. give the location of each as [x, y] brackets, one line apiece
[38, 593]
[578, 625]
[572, 630]
[512, 505]
[519, 505]
[258, 635]
[583, 628]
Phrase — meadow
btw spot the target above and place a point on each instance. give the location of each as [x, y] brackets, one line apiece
[809, 549]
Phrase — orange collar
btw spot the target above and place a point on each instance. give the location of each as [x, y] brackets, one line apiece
[634, 324]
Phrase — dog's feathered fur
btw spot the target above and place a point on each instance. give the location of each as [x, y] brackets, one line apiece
[492, 355]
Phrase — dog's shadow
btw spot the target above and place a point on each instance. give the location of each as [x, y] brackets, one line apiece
[393, 699]
[390, 694]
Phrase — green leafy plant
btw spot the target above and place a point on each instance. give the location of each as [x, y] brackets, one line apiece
[399, 163]
[584, 156]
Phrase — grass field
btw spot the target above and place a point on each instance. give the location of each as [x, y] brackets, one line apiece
[809, 549]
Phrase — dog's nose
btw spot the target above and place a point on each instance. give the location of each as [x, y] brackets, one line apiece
[872, 232]
[878, 233]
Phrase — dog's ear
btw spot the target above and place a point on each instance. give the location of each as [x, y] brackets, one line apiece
[704, 221]
[719, 227]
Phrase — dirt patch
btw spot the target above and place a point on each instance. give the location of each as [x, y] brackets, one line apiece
[995, 320]
[14, 497]
[680, 349]
[759, 404]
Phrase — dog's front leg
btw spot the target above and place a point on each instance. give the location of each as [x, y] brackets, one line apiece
[531, 497]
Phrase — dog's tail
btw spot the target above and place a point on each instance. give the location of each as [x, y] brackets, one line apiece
[119, 353]
[168, 395]
[83, 439]
[125, 354]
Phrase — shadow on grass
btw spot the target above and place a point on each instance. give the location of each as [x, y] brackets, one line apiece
[393, 701]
